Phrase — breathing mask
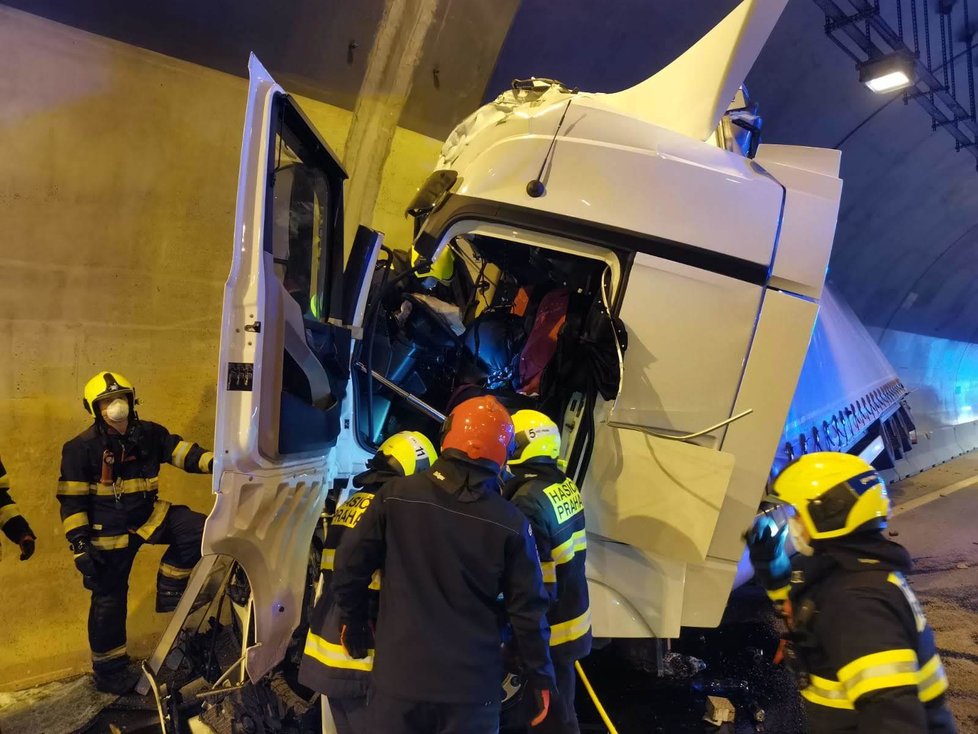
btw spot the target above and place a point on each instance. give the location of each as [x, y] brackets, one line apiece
[797, 531]
[117, 411]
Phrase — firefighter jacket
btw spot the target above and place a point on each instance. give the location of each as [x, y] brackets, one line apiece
[448, 546]
[865, 655]
[325, 666]
[109, 482]
[552, 504]
[12, 523]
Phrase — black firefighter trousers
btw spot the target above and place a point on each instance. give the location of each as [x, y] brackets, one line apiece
[182, 530]
[392, 715]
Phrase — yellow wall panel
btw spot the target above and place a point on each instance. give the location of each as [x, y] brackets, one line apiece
[117, 194]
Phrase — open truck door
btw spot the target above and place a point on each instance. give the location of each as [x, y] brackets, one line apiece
[291, 314]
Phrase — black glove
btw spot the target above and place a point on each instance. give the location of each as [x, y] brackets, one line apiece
[765, 543]
[27, 545]
[356, 638]
[512, 660]
[88, 559]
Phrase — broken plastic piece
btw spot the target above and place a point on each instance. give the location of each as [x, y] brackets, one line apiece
[718, 710]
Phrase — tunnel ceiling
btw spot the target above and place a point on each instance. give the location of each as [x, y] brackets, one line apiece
[906, 252]
[316, 48]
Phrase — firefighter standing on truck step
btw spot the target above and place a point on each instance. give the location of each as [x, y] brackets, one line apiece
[448, 545]
[552, 503]
[325, 666]
[109, 508]
[859, 644]
[12, 523]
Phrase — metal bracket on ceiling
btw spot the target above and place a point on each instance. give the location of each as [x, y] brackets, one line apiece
[834, 24]
[951, 121]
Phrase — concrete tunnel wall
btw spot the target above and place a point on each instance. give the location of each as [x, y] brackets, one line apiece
[117, 192]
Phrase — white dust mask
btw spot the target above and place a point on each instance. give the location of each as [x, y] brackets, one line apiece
[797, 531]
[117, 411]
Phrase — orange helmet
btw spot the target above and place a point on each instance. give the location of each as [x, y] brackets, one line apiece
[481, 429]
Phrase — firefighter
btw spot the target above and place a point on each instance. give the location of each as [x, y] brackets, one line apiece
[859, 644]
[325, 667]
[435, 274]
[449, 546]
[14, 525]
[109, 508]
[552, 503]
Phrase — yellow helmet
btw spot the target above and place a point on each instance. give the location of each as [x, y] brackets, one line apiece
[107, 385]
[442, 269]
[407, 453]
[834, 494]
[536, 436]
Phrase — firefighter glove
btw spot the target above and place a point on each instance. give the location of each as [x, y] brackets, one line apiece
[541, 696]
[27, 545]
[88, 560]
[765, 543]
[356, 639]
[512, 661]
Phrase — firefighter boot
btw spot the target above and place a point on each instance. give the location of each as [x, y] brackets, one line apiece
[167, 600]
[119, 681]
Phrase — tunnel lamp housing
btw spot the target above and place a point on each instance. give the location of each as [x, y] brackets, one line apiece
[888, 73]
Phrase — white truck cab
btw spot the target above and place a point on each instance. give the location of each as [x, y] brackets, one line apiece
[653, 208]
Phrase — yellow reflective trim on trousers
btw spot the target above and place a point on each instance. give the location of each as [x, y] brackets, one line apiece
[127, 486]
[74, 489]
[570, 630]
[205, 459]
[8, 513]
[5, 482]
[179, 455]
[779, 594]
[334, 656]
[932, 680]
[549, 570]
[566, 550]
[329, 559]
[887, 669]
[174, 572]
[156, 518]
[73, 522]
[111, 542]
[825, 692]
[101, 657]
[375, 581]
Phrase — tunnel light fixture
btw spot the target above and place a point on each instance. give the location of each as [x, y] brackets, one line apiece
[888, 73]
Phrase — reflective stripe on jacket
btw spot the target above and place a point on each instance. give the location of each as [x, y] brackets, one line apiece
[869, 651]
[552, 503]
[447, 543]
[325, 666]
[12, 523]
[109, 483]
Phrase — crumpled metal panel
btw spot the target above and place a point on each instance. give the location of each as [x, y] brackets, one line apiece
[266, 524]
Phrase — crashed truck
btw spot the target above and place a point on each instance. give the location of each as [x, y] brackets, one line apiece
[684, 261]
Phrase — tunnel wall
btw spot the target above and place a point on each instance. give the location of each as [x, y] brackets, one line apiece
[117, 192]
[942, 376]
